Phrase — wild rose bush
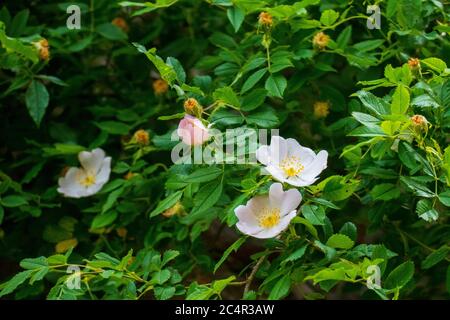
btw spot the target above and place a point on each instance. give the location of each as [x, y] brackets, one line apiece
[350, 199]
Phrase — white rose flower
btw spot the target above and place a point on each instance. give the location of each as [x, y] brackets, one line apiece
[90, 178]
[287, 161]
[267, 216]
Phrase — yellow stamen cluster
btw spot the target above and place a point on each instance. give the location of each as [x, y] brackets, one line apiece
[160, 86]
[121, 23]
[265, 19]
[291, 166]
[141, 137]
[88, 180]
[321, 40]
[269, 218]
[321, 109]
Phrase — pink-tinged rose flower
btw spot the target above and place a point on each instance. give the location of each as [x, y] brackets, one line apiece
[192, 131]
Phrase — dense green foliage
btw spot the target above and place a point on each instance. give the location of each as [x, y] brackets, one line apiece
[378, 100]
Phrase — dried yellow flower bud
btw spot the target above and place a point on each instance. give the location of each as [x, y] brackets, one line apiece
[321, 40]
[129, 175]
[265, 19]
[43, 48]
[141, 137]
[65, 245]
[176, 209]
[414, 63]
[121, 23]
[321, 109]
[160, 86]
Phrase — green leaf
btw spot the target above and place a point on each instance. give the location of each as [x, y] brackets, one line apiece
[2, 214]
[368, 45]
[111, 32]
[400, 100]
[34, 263]
[297, 254]
[336, 188]
[236, 16]
[444, 198]
[417, 187]
[104, 219]
[39, 274]
[435, 257]
[349, 229]
[373, 103]
[400, 276]
[340, 241]
[164, 293]
[15, 281]
[263, 118]
[314, 214]
[329, 17]
[344, 37]
[207, 196]
[281, 288]
[178, 68]
[36, 99]
[253, 79]
[172, 116]
[168, 256]
[254, 99]
[113, 127]
[56, 259]
[228, 96]
[203, 175]
[219, 285]
[435, 64]
[385, 192]
[13, 201]
[167, 72]
[275, 85]
[225, 117]
[161, 277]
[111, 200]
[233, 248]
[167, 203]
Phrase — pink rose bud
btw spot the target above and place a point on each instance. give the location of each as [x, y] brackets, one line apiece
[192, 131]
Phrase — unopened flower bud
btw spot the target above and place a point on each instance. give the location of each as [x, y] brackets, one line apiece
[414, 63]
[265, 19]
[419, 121]
[193, 108]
